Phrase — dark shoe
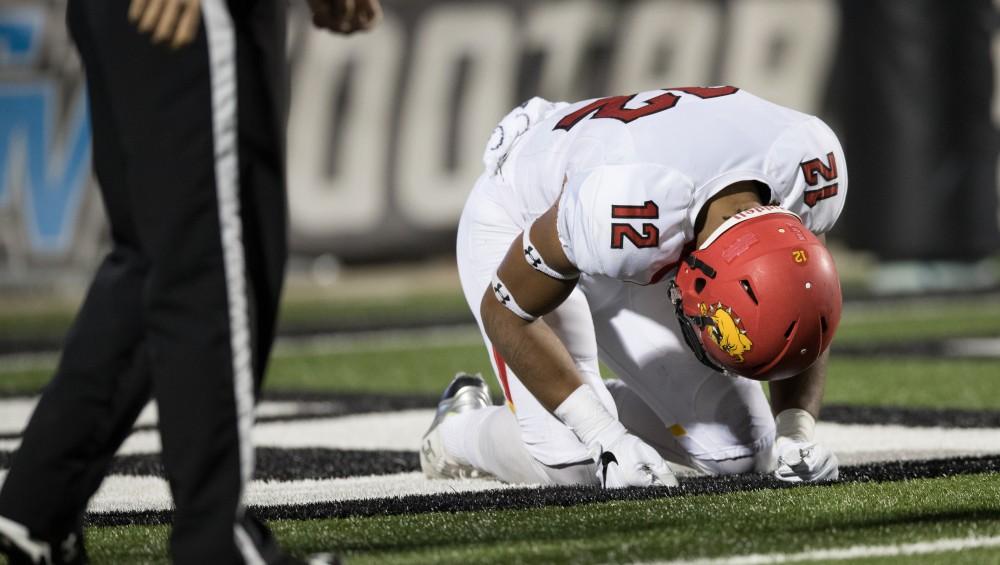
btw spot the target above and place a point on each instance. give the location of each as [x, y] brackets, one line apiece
[272, 554]
[17, 543]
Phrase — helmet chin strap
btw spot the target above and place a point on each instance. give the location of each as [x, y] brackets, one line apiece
[696, 263]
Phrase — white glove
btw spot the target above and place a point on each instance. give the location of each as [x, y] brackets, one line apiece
[623, 460]
[799, 457]
[631, 462]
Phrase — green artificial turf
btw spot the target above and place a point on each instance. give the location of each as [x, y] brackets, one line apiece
[910, 381]
[49, 319]
[24, 380]
[421, 366]
[893, 321]
[424, 306]
[708, 526]
[33, 318]
[687, 527]
[424, 363]
[906, 321]
[915, 381]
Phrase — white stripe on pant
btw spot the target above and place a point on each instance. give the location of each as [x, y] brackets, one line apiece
[222, 66]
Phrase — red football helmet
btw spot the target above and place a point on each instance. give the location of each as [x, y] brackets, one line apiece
[760, 298]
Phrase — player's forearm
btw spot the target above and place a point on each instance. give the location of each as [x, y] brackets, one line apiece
[804, 391]
[533, 351]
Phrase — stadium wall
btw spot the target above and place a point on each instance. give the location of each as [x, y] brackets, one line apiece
[386, 129]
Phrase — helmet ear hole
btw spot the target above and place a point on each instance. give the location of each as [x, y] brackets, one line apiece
[791, 327]
[822, 323]
[699, 284]
[749, 290]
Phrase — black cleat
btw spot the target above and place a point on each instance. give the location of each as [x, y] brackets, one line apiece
[20, 548]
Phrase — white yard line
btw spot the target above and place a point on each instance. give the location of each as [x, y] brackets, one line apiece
[853, 443]
[846, 553]
[973, 347]
[866, 442]
[133, 494]
[396, 431]
[377, 431]
[14, 412]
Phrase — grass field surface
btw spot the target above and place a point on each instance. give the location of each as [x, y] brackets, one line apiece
[879, 519]
[767, 521]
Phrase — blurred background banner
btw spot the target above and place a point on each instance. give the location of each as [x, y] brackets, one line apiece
[386, 130]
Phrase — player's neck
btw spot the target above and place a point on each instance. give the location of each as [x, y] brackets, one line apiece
[731, 200]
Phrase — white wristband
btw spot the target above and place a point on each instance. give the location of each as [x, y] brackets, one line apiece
[583, 412]
[795, 423]
[534, 258]
[503, 296]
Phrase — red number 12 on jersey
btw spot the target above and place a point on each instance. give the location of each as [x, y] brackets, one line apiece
[620, 231]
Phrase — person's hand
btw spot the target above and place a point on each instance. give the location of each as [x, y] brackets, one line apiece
[798, 458]
[168, 21]
[804, 461]
[631, 462]
[345, 16]
[623, 460]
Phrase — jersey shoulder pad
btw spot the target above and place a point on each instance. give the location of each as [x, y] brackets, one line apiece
[624, 221]
[810, 169]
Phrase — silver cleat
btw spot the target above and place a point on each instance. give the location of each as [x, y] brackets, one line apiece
[466, 392]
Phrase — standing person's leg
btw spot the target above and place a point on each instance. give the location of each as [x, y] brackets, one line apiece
[179, 114]
[102, 380]
[262, 82]
[262, 94]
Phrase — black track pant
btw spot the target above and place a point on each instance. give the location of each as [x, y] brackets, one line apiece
[188, 151]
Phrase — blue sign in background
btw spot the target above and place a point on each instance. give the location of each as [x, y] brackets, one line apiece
[43, 158]
[53, 178]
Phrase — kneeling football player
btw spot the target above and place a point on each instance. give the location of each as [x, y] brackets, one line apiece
[676, 235]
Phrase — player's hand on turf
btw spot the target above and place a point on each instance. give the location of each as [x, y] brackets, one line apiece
[630, 462]
[798, 457]
[346, 16]
[167, 21]
[623, 460]
[804, 461]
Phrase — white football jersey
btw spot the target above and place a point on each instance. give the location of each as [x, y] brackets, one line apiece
[631, 173]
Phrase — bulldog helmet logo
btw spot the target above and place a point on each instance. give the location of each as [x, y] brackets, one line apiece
[726, 331]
